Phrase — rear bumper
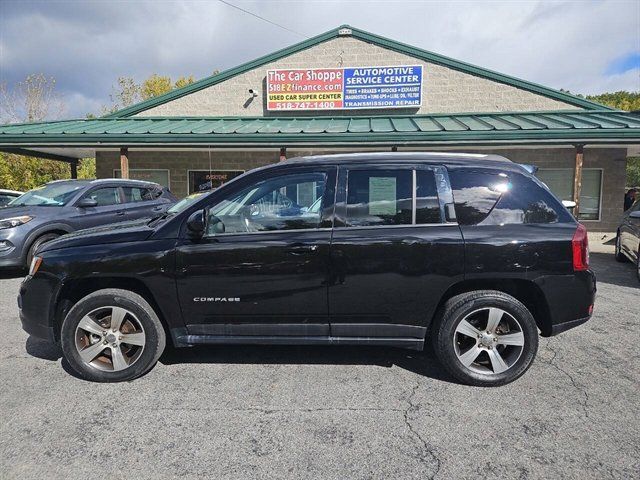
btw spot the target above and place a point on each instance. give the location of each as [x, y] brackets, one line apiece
[563, 327]
[570, 299]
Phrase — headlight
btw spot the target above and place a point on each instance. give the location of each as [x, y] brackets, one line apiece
[35, 265]
[14, 221]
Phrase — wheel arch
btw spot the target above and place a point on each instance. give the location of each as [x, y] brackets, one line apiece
[524, 291]
[74, 290]
[57, 228]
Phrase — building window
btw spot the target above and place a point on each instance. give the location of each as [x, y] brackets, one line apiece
[205, 180]
[560, 182]
[159, 176]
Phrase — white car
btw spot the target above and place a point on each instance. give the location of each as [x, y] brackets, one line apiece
[7, 195]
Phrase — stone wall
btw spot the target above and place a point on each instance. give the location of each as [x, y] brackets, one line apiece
[611, 160]
[444, 90]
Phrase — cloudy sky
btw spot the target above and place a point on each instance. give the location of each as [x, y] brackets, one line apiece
[584, 46]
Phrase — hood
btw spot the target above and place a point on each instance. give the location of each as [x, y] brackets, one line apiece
[9, 211]
[133, 231]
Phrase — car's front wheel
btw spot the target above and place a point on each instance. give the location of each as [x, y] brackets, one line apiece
[112, 335]
[485, 338]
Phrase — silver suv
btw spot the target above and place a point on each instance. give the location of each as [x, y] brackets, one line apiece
[60, 207]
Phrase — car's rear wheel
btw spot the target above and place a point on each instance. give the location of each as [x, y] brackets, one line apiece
[47, 237]
[620, 257]
[485, 338]
[111, 336]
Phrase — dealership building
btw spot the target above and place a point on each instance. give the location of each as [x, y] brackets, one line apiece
[350, 90]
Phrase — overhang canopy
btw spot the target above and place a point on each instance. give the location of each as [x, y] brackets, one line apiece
[591, 127]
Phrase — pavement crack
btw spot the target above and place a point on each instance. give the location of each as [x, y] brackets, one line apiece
[425, 446]
[576, 385]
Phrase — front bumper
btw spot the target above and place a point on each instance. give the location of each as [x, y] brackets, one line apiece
[36, 302]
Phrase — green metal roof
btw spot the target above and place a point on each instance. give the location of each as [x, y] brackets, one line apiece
[369, 38]
[551, 127]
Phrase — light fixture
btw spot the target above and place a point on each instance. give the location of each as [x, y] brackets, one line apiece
[252, 93]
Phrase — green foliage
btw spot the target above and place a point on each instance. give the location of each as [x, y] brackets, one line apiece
[24, 173]
[621, 100]
[633, 172]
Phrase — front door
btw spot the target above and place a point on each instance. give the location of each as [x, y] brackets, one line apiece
[109, 208]
[261, 269]
[393, 254]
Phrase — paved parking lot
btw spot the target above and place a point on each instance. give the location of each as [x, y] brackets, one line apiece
[342, 412]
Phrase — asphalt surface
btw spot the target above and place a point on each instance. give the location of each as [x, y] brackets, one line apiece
[331, 412]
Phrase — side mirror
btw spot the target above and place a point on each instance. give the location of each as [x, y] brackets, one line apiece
[87, 203]
[635, 214]
[196, 224]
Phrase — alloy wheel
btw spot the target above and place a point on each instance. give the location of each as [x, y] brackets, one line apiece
[110, 338]
[488, 341]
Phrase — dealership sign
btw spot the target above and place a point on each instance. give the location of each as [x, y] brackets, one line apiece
[345, 88]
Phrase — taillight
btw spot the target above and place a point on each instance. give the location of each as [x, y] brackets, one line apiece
[580, 248]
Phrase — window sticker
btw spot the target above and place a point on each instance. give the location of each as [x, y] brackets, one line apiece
[382, 196]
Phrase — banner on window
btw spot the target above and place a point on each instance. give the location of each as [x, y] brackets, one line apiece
[397, 86]
[205, 180]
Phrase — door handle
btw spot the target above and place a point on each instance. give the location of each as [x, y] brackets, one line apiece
[302, 249]
[120, 213]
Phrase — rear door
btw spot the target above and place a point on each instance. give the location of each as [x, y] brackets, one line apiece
[142, 201]
[393, 253]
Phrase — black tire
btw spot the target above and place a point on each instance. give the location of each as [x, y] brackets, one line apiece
[457, 309]
[47, 237]
[620, 257]
[143, 313]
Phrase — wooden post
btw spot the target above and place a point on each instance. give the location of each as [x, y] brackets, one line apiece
[577, 179]
[124, 162]
[74, 169]
[283, 154]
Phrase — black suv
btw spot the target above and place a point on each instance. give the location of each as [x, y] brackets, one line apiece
[469, 252]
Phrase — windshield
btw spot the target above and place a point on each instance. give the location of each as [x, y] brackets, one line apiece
[184, 203]
[51, 195]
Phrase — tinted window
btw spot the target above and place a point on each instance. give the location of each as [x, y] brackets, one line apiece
[105, 196]
[427, 206]
[475, 193]
[283, 203]
[4, 199]
[379, 197]
[139, 194]
[489, 198]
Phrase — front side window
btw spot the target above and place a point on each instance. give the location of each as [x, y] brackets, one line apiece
[51, 195]
[289, 202]
[105, 196]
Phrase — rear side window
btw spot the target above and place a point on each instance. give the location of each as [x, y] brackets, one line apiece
[427, 204]
[484, 197]
[138, 194]
[475, 193]
[379, 197]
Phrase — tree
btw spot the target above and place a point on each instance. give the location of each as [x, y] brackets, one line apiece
[622, 100]
[128, 92]
[31, 100]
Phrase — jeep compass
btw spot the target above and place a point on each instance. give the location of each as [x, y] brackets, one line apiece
[468, 252]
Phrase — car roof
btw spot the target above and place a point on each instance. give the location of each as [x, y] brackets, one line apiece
[98, 181]
[441, 158]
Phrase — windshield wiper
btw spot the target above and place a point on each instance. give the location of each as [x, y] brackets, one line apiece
[158, 218]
